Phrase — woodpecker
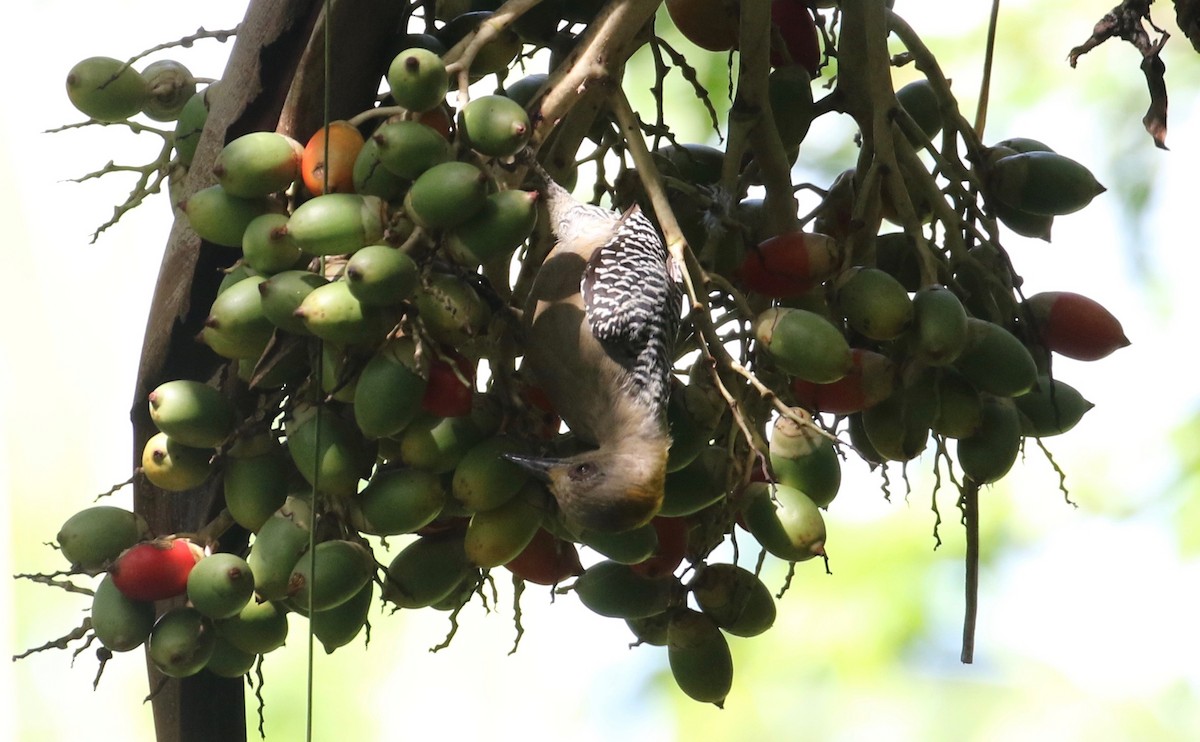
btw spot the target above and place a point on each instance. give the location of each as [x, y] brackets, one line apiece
[601, 319]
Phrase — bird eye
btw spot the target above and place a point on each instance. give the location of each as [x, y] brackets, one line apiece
[583, 470]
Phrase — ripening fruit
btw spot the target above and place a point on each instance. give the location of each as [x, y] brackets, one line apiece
[106, 89]
[173, 466]
[546, 560]
[988, 454]
[939, 325]
[381, 275]
[446, 195]
[277, 547]
[155, 570]
[709, 24]
[995, 361]
[192, 413]
[613, 589]
[735, 598]
[497, 536]
[797, 29]
[418, 80]
[484, 479]
[220, 217]
[337, 626]
[181, 642]
[495, 126]
[505, 221]
[450, 391]
[1043, 183]
[409, 148]
[258, 164]
[803, 344]
[220, 585]
[789, 264]
[93, 537]
[874, 303]
[699, 656]
[258, 629]
[266, 245]
[331, 312]
[784, 520]
[170, 85]
[1075, 326]
[920, 102]
[327, 164]
[330, 574]
[336, 223]
[236, 326]
[1051, 408]
[870, 380]
[329, 452]
[803, 458]
[256, 486]
[671, 547]
[426, 571]
[283, 293]
[120, 623]
[389, 390]
[399, 501]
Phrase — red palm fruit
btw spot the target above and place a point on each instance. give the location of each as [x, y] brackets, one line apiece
[546, 560]
[345, 142]
[796, 28]
[789, 264]
[672, 544]
[1075, 326]
[709, 24]
[869, 381]
[446, 395]
[155, 570]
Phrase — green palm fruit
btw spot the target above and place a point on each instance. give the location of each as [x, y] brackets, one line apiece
[497, 536]
[399, 501]
[337, 223]
[181, 642]
[505, 221]
[699, 656]
[784, 520]
[735, 598]
[939, 325]
[106, 89]
[342, 457]
[446, 195]
[331, 312]
[93, 537]
[387, 396]
[173, 466]
[266, 245]
[418, 80]
[236, 326]
[277, 547]
[258, 164]
[258, 629]
[426, 571]
[995, 361]
[221, 217]
[220, 585]
[803, 458]
[874, 303]
[495, 126]
[612, 589]
[192, 413]
[171, 85]
[633, 546]
[120, 624]
[1052, 407]
[337, 626]
[283, 293]
[988, 454]
[1043, 183]
[257, 486]
[372, 178]
[803, 344]
[381, 275]
[920, 102]
[409, 148]
[330, 574]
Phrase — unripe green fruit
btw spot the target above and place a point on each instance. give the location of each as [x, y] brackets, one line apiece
[790, 92]
[173, 466]
[330, 575]
[495, 126]
[278, 546]
[874, 304]
[409, 148]
[258, 629]
[332, 313]
[1043, 183]
[699, 655]
[632, 546]
[939, 325]
[505, 221]
[192, 413]
[484, 479]
[437, 445]
[995, 361]
[418, 80]
[804, 459]
[339, 625]
[399, 501]
[803, 344]
[650, 630]
[120, 624]
[220, 585]
[1024, 223]
[181, 642]
[220, 217]
[735, 598]
[372, 178]
[336, 223]
[258, 164]
[697, 485]
[920, 102]
[342, 457]
[693, 412]
[266, 245]
[991, 451]
[612, 589]
[426, 571]
[227, 661]
[523, 90]
[784, 520]
[256, 486]
[236, 326]
[388, 394]
[93, 537]
[451, 311]
[381, 275]
[105, 89]
[495, 56]
[170, 85]
[283, 293]
[695, 163]
[1051, 408]
[497, 536]
[190, 125]
[960, 407]
[446, 195]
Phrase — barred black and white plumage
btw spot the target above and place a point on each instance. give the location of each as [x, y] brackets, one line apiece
[632, 306]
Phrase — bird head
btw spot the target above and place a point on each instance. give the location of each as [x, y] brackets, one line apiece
[604, 490]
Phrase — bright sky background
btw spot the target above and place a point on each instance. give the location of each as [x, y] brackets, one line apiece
[1099, 597]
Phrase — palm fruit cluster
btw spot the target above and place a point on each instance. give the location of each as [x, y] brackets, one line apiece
[372, 338]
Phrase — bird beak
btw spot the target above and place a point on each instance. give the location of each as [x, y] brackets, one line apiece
[540, 467]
